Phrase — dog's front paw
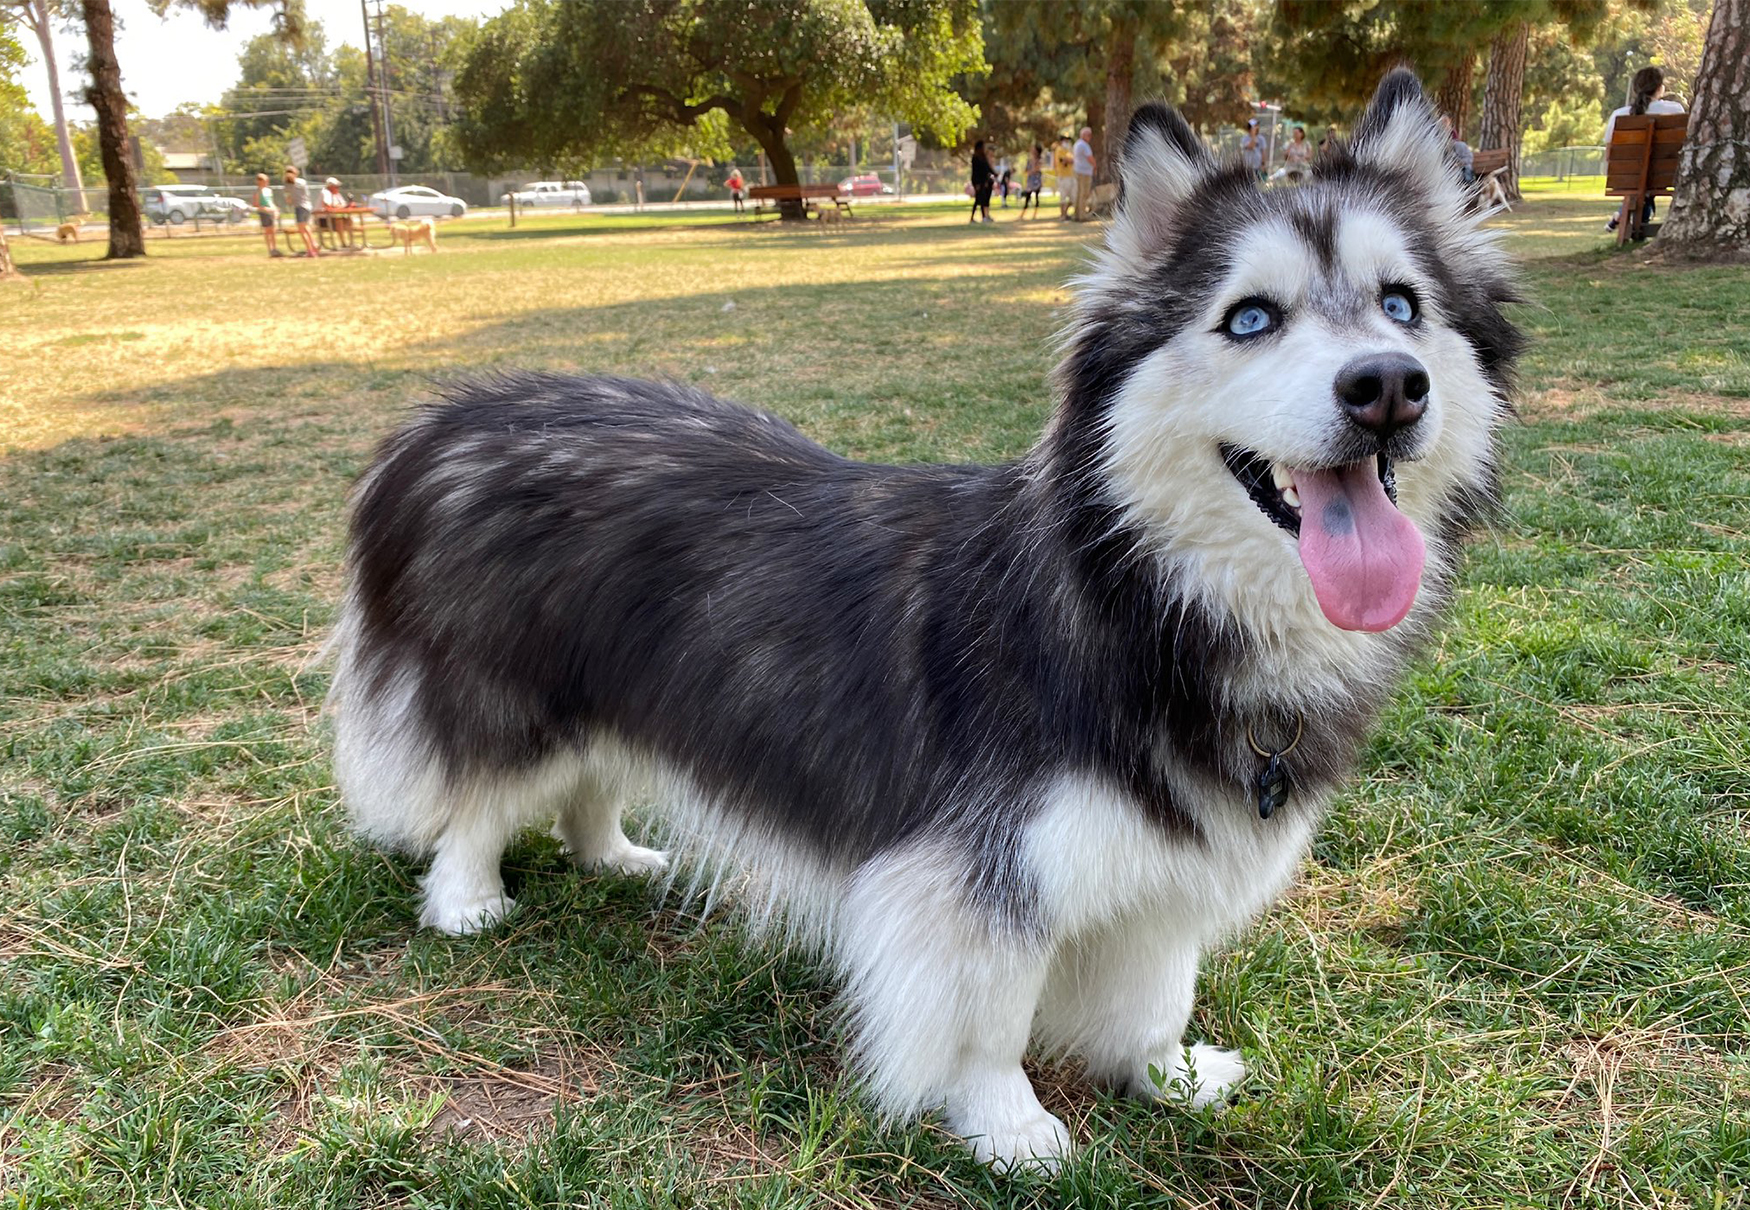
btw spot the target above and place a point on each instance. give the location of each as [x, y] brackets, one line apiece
[1203, 1076]
[459, 917]
[1039, 1142]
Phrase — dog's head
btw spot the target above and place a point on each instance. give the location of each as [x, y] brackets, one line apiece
[1292, 391]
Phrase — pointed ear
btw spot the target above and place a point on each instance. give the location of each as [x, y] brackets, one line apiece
[1163, 163]
[1399, 132]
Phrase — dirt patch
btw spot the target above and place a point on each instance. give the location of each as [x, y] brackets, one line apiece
[1579, 403]
[507, 1103]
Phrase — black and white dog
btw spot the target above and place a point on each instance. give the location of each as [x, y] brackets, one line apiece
[1011, 745]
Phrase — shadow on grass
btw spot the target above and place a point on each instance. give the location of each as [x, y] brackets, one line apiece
[62, 268]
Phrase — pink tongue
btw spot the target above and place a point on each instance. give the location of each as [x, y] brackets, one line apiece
[1363, 556]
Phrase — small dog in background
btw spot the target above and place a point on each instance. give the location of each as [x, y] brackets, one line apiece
[68, 232]
[410, 229]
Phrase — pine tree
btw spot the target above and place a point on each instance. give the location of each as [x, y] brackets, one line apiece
[1710, 212]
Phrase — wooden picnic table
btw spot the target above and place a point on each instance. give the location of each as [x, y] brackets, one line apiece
[761, 194]
[326, 237]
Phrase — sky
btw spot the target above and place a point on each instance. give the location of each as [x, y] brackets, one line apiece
[167, 62]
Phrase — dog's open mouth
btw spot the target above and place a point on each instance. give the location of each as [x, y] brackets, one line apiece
[1363, 556]
[1271, 485]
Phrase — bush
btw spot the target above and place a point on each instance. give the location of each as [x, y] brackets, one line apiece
[605, 196]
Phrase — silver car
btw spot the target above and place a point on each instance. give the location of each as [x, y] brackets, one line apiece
[553, 193]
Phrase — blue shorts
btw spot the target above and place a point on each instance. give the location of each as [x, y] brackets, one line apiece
[303, 214]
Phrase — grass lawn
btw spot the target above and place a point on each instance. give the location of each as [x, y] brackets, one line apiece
[1514, 971]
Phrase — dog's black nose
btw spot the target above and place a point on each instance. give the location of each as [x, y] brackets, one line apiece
[1383, 392]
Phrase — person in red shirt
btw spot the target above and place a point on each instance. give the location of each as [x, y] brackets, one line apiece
[737, 189]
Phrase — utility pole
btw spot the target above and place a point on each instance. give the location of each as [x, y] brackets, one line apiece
[388, 143]
[371, 96]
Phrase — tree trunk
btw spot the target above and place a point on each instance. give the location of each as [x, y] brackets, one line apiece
[126, 238]
[1453, 96]
[783, 170]
[6, 269]
[1503, 99]
[1097, 124]
[1710, 209]
[38, 15]
[1120, 68]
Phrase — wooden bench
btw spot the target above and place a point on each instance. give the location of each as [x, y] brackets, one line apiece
[1487, 167]
[809, 195]
[1641, 164]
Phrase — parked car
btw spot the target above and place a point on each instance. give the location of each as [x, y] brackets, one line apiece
[865, 185]
[405, 201]
[553, 193]
[178, 204]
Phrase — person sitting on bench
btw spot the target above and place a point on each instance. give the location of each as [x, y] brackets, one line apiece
[1647, 95]
[333, 199]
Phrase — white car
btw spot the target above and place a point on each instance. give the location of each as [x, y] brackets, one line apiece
[405, 201]
[179, 204]
[553, 193]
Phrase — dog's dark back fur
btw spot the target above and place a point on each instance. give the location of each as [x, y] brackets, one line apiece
[643, 556]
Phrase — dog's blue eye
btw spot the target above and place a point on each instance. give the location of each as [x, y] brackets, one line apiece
[1399, 305]
[1249, 320]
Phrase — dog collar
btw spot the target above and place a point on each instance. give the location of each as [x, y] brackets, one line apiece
[1274, 778]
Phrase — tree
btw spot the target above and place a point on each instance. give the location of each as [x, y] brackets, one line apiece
[1503, 98]
[40, 16]
[126, 237]
[1710, 209]
[566, 84]
[1100, 52]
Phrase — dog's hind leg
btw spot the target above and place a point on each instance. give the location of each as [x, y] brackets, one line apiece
[589, 828]
[941, 1001]
[1121, 998]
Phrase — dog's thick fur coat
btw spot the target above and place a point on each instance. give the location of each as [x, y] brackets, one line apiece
[983, 735]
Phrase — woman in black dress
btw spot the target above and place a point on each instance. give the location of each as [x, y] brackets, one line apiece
[982, 177]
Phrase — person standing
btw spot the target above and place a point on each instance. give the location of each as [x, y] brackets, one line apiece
[298, 198]
[1329, 142]
[982, 178]
[1035, 180]
[1297, 157]
[1004, 176]
[737, 189]
[1252, 149]
[638, 188]
[268, 212]
[1064, 165]
[1084, 166]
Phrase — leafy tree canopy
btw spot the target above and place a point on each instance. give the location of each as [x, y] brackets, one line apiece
[1329, 56]
[567, 83]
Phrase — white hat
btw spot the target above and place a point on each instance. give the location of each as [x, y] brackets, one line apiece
[333, 180]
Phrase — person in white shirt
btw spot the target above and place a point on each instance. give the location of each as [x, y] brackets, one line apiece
[1646, 95]
[1084, 166]
[333, 199]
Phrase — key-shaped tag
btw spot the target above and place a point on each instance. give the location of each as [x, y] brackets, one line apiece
[1272, 785]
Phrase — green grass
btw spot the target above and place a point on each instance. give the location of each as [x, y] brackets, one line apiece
[1513, 971]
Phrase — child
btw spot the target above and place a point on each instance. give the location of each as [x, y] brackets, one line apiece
[1035, 179]
[264, 206]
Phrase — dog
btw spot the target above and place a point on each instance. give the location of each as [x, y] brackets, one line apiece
[1010, 745]
[1491, 193]
[407, 230]
[68, 232]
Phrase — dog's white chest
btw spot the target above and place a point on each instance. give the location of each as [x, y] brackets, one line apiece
[1095, 858]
